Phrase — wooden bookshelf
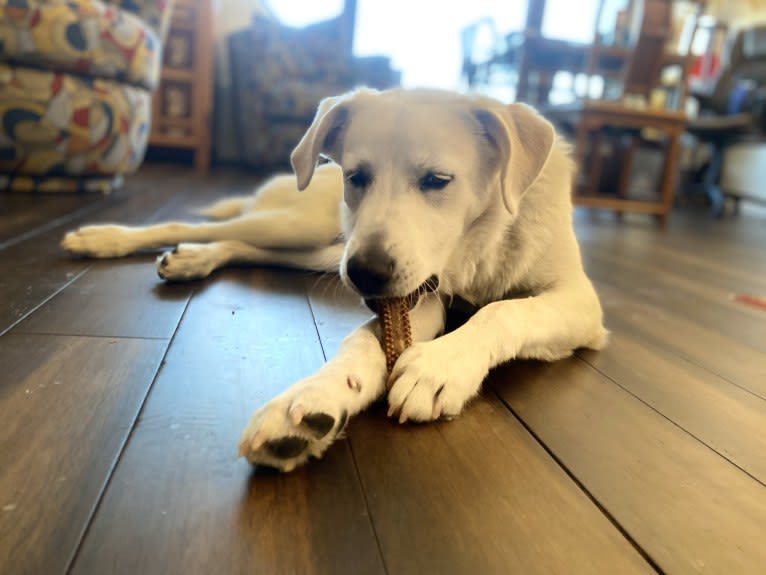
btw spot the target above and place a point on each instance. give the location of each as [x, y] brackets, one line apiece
[182, 105]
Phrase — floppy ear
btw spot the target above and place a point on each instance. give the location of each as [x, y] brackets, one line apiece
[523, 140]
[320, 138]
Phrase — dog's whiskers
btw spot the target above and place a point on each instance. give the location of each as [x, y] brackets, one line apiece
[324, 283]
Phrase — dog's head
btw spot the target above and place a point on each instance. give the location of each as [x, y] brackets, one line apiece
[420, 168]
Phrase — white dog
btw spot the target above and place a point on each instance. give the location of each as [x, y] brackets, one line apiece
[432, 196]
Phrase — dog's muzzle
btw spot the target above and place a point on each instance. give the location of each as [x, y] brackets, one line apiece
[429, 286]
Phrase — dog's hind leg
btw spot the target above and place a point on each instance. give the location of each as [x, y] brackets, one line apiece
[227, 208]
[276, 216]
[280, 229]
[194, 261]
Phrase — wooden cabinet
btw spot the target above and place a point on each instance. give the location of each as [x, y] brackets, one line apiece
[183, 103]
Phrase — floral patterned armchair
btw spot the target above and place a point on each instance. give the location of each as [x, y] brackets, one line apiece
[75, 90]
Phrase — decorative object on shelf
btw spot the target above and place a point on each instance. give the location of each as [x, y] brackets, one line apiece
[178, 52]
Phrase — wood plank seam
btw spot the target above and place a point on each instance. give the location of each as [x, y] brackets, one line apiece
[307, 295]
[95, 335]
[746, 332]
[367, 507]
[648, 301]
[118, 455]
[640, 334]
[44, 301]
[51, 225]
[604, 511]
[669, 420]
[347, 440]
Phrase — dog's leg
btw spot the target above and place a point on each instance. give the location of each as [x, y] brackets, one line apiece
[288, 229]
[437, 378]
[227, 208]
[195, 261]
[304, 420]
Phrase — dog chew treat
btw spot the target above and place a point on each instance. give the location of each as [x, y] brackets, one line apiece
[394, 317]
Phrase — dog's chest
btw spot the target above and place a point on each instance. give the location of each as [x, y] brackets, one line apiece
[485, 277]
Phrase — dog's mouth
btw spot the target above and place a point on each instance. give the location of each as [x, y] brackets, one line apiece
[428, 286]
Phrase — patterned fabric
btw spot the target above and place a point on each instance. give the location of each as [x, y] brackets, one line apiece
[277, 92]
[75, 104]
[279, 75]
[85, 37]
[55, 124]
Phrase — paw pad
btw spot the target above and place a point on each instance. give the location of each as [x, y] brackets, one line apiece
[320, 424]
[286, 447]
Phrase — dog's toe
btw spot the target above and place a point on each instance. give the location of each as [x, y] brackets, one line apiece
[431, 382]
[186, 262]
[106, 241]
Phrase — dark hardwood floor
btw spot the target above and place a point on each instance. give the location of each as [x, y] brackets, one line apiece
[122, 400]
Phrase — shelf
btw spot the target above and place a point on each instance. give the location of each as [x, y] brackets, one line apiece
[167, 141]
[187, 88]
[175, 122]
[177, 74]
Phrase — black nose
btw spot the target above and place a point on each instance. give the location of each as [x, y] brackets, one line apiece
[370, 271]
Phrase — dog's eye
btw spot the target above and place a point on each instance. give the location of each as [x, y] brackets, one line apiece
[433, 181]
[359, 178]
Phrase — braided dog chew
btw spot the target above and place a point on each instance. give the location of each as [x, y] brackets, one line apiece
[394, 317]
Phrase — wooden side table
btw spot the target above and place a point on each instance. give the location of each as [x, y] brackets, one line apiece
[183, 103]
[589, 119]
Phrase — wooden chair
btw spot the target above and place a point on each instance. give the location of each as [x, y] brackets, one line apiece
[623, 122]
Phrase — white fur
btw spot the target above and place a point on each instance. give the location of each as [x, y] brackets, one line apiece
[501, 228]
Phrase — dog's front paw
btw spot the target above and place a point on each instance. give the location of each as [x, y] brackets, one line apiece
[434, 379]
[298, 425]
[100, 241]
[186, 262]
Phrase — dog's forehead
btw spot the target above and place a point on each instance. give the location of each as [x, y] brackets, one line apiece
[409, 127]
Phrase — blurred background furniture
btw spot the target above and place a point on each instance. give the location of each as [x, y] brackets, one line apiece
[183, 103]
[279, 75]
[734, 111]
[525, 58]
[75, 91]
[637, 110]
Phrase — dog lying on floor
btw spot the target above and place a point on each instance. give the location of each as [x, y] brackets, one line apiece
[431, 195]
